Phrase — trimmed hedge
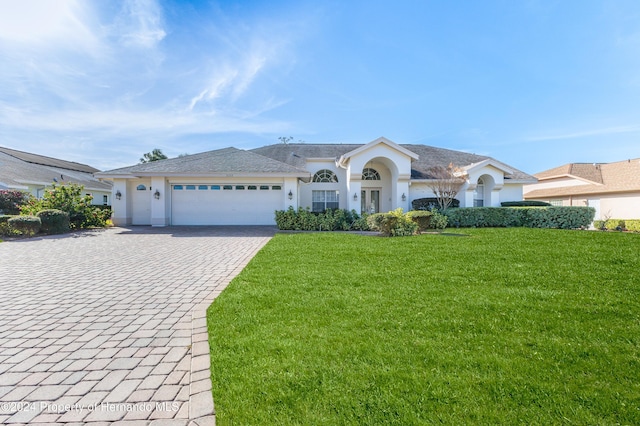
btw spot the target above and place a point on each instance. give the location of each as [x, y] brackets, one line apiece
[529, 203]
[29, 225]
[5, 229]
[54, 221]
[428, 219]
[531, 217]
[431, 203]
[330, 220]
[393, 224]
[632, 225]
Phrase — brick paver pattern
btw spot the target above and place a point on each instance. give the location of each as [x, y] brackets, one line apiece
[96, 326]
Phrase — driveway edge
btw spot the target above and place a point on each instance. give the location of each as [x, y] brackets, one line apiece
[201, 405]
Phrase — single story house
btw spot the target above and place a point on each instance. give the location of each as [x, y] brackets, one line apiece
[613, 189]
[232, 186]
[34, 173]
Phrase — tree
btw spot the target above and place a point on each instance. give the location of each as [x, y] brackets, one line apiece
[68, 198]
[154, 155]
[445, 183]
[11, 200]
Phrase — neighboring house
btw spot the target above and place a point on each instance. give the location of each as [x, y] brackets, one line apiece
[233, 186]
[34, 173]
[613, 189]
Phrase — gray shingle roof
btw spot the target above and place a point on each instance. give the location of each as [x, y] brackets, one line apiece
[16, 173]
[296, 154]
[48, 161]
[227, 160]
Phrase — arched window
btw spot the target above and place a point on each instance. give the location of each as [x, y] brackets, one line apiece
[141, 188]
[325, 176]
[478, 194]
[370, 174]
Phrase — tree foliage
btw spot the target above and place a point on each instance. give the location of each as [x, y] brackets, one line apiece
[445, 183]
[68, 198]
[154, 155]
[11, 200]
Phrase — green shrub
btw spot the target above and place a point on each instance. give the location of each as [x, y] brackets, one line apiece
[11, 200]
[533, 217]
[486, 217]
[560, 217]
[28, 225]
[600, 224]
[431, 203]
[54, 221]
[438, 221]
[69, 199]
[615, 225]
[428, 219]
[393, 224]
[422, 218]
[329, 220]
[632, 225]
[525, 203]
[618, 225]
[5, 228]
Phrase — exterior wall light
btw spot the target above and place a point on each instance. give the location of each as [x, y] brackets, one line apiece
[404, 197]
[118, 194]
[157, 194]
[355, 196]
[290, 195]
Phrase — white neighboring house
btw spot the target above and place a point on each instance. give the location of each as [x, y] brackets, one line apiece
[34, 173]
[236, 187]
[613, 189]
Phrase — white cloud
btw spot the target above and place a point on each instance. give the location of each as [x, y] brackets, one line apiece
[65, 23]
[141, 24]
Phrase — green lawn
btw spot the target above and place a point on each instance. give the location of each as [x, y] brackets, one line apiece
[499, 326]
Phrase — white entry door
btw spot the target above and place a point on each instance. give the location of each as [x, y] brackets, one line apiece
[141, 203]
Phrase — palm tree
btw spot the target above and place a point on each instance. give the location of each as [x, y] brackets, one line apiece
[154, 155]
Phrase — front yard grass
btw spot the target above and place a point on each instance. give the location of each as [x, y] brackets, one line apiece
[500, 326]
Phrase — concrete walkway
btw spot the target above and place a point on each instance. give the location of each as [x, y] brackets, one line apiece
[108, 327]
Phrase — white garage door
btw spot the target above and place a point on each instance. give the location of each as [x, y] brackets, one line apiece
[238, 204]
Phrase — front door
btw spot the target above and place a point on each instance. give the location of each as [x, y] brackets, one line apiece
[370, 201]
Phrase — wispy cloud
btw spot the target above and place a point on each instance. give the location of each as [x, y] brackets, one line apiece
[65, 23]
[140, 24]
[77, 76]
[586, 133]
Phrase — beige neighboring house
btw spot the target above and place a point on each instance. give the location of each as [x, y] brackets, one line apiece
[34, 173]
[613, 189]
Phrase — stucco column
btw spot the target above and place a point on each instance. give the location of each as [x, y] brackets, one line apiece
[159, 201]
[402, 188]
[495, 196]
[120, 207]
[291, 186]
[354, 187]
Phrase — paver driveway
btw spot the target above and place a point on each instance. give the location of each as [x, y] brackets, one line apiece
[108, 326]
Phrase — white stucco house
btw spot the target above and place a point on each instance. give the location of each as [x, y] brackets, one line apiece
[613, 189]
[232, 186]
[34, 173]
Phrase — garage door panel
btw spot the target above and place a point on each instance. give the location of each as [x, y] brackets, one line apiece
[224, 207]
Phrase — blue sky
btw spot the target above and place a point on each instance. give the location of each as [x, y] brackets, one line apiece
[535, 84]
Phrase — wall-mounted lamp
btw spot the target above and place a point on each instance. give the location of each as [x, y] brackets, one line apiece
[355, 196]
[157, 194]
[118, 194]
[404, 197]
[290, 195]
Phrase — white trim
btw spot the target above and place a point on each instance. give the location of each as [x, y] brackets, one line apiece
[344, 159]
